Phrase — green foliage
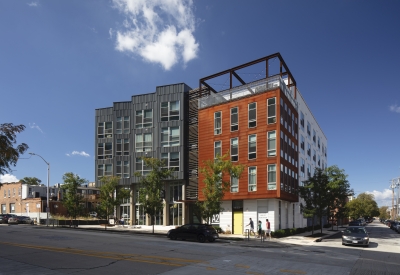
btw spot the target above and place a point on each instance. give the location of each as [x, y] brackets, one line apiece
[217, 174]
[31, 180]
[111, 195]
[8, 154]
[383, 214]
[363, 206]
[151, 185]
[72, 200]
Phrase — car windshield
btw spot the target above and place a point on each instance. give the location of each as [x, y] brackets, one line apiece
[356, 230]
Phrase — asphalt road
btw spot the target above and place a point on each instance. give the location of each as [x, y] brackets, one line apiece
[34, 250]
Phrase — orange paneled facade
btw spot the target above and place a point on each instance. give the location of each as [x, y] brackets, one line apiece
[285, 143]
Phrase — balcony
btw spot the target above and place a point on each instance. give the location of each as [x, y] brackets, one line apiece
[259, 86]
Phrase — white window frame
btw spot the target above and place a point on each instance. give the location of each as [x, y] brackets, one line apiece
[252, 187]
[143, 124]
[168, 163]
[217, 147]
[122, 148]
[140, 166]
[170, 115]
[248, 115]
[271, 152]
[234, 185]
[271, 119]
[235, 126]
[252, 150]
[122, 169]
[107, 154]
[107, 131]
[217, 130]
[237, 146]
[170, 142]
[122, 126]
[271, 169]
[145, 147]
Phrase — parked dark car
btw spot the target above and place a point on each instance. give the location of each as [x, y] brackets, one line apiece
[25, 220]
[393, 225]
[355, 235]
[355, 223]
[4, 217]
[196, 231]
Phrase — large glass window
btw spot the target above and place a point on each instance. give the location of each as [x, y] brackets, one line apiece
[252, 178]
[234, 149]
[104, 150]
[217, 123]
[122, 147]
[170, 111]
[12, 207]
[143, 142]
[217, 148]
[309, 129]
[271, 144]
[234, 119]
[175, 192]
[144, 118]
[122, 169]
[122, 125]
[302, 120]
[170, 136]
[252, 146]
[272, 177]
[140, 166]
[175, 214]
[271, 110]
[104, 130]
[3, 209]
[252, 115]
[171, 160]
[234, 185]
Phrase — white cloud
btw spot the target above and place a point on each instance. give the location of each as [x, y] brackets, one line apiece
[160, 31]
[33, 4]
[383, 198]
[110, 32]
[82, 153]
[394, 108]
[34, 126]
[8, 178]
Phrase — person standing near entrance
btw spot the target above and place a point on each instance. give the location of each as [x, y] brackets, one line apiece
[251, 223]
[268, 229]
[259, 230]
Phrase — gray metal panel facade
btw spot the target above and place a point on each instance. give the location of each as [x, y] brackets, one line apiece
[168, 93]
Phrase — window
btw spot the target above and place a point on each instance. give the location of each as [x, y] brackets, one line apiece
[234, 119]
[140, 166]
[104, 170]
[308, 170]
[217, 148]
[122, 169]
[122, 147]
[252, 115]
[12, 207]
[319, 143]
[217, 123]
[5, 193]
[252, 146]
[170, 111]
[170, 136]
[19, 191]
[302, 146]
[271, 110]
[302, 120]
[144, 118]
[122, 125]
[13, 192]
[252, 178]
[309, 149]
[143, 142]
[175, 192]
[271, 144]
[314, 156]
[234, 149]
[104, 150]
[3, 209]
[302, 167]
[309, 129]
[171, 160]
[234, 184]
[104, 130]
[314, 137]
[272, 177]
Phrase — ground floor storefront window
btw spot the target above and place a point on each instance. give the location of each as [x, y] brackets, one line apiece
[175, 214]
[140, 215]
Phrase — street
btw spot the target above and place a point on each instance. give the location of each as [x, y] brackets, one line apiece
[40, 250]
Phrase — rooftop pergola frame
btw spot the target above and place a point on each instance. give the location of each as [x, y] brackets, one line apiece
[233, 73]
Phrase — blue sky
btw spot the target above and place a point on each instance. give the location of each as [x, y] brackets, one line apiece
[60, 60]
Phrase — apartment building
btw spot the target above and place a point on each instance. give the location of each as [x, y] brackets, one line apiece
[257, 122]
[149, 125]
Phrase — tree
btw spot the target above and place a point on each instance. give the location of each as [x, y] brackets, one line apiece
[111, 195]
[383, 214]
[338, 192]
[314, 192]
[72, 200]
[363, 206]
[8, 154]
[217, 175]
[31, 180]
[151, 186]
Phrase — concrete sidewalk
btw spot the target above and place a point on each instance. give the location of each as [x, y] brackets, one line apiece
[234, 239]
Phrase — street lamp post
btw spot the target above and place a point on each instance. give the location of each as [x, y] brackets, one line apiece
[48, 181]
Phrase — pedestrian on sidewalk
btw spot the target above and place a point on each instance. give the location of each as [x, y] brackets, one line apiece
[259, 231]
[251, 223]
[268, 228]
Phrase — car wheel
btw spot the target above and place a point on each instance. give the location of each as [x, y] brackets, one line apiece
[201, 238]
[172, 237]
[344, 244]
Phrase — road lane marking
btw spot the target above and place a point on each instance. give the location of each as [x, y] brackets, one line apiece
[242, 266]
[110, 255]
[293, 271]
